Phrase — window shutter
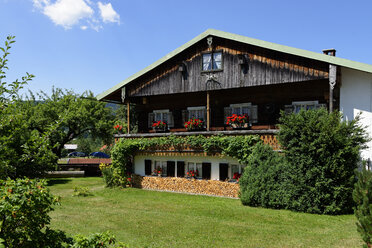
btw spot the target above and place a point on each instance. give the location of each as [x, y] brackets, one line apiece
[147, 167]
[206, 170]
[227, 112]
[288, 109]
[254, 114]
[184, 116]
[180, 169]
[204, 111]
[151, 117]
[170, 119]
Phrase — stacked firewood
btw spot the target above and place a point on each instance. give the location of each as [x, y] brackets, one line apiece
[195, 186]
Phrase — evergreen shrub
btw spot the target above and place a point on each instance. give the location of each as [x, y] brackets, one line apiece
[322, 152]
[362, 195]
[262, 181]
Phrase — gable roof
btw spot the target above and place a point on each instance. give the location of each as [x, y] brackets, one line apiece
[243, 39]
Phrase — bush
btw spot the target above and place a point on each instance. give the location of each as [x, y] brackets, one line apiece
[97, 240]
[81, 191]
[362, 196]
[322, 153]
[24, 208]
[262, 181]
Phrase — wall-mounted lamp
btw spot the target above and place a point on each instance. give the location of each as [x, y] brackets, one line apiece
[183, 69]
[243, 60]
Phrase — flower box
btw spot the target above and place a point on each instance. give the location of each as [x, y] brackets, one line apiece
[240, 125]
[160, 130]
[238, 121]
[160, 126]
[194, 124]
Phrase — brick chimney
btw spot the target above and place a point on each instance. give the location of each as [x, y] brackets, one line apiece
[331, 52]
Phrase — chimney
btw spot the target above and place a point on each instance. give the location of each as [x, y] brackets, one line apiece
[331, 52]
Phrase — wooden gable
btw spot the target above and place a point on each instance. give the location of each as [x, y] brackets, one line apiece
[243, 65]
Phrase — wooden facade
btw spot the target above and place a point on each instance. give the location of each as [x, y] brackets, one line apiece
[242, 66]
[268, 79]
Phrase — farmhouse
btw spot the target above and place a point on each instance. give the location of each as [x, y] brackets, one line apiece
[223, 83]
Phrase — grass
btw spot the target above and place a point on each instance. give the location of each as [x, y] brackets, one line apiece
[144, 218]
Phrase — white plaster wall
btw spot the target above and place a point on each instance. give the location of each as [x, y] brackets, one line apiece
[139, 162]
[356, 98]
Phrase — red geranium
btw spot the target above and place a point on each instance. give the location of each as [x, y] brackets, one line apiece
[237, 119]
[237, 175]
[192, 173]
[159, 124]
[193, 124]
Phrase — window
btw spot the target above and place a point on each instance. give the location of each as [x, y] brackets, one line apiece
[241, 109]
[236, 171]
[161, 115]
[212, 61]
[297, 106]
[161, 165]
[197, 112]
[195, 166]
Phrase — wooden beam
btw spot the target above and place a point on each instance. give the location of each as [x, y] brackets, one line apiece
[208, 113]
[332, 83]
[128, 118]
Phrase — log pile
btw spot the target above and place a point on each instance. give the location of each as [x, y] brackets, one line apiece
[195, 186]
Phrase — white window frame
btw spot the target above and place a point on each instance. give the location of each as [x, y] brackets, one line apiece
[194, 166]
[189, 109]
[161, 112]
[240, 169]
[241, 106]
[163, 165]
[298, 105]
[212, 60]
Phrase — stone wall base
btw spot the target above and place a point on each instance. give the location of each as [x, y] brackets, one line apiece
[183, 185]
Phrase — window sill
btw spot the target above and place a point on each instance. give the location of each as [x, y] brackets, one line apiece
[219, 70]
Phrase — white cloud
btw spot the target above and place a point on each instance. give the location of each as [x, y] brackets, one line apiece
[68, 13]
[108, 14]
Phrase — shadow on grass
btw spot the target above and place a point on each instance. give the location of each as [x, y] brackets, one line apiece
[55, 181]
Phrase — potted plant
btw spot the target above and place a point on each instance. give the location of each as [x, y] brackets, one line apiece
[238, 121]
[236, 176]
[118, 129]
[194, 124]
[192, 174]
[157, 172]
[159, 126]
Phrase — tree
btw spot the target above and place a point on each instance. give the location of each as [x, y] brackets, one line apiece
[23, 151]
[77, 115]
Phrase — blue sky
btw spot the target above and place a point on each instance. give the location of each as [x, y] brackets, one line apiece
[95, 44]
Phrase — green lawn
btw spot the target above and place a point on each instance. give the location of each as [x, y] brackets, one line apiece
[144, 218]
